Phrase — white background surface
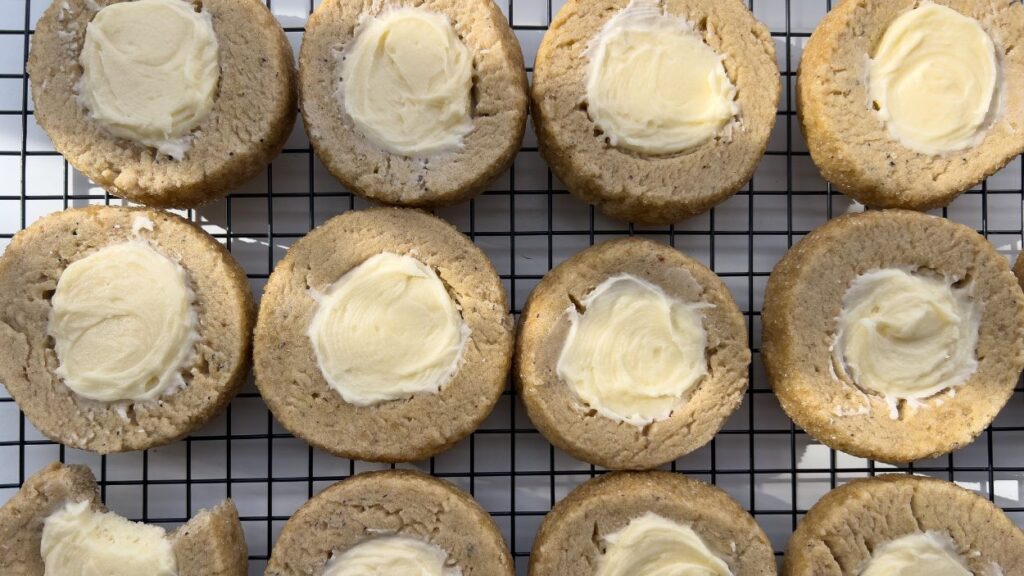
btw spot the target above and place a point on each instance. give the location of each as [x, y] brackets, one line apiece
[772, 469]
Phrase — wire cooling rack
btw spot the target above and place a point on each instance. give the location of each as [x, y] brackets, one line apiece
[526, 223]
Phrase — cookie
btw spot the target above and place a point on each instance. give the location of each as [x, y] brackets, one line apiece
[642, 175]
[579, 536]
[848, 530]
[212, 542]
[893, 335]
[145, 340]
[411, 516]
[413, 346]
[853, 143]
[247, 78]
[428, 121]
[634, 399]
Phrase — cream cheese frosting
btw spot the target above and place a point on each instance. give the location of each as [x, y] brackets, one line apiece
[920, 554]
[387, 329]
[150, 72]
[653, 85]
[406, 82]
[934, 79]
[123, 324]
[389, 556]
[906, 335]
[79, 541]
[656, 546]
[634, 352]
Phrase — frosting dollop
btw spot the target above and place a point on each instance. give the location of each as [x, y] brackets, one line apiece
[123, 323]
[653, 85]
[78, 541]
[150, 71]
[906, 336]
[387, 329]
[390, 556]
[656, 546]
[934, 79]
[406, 82]
[919, 554]
[634, 352]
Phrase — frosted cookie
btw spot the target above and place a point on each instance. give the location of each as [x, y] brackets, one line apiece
[383, 335]
[630, 523]
[631, 354]
[893, 335]
[391, 522]
[901, 525]
[170, 103]
[121, 329]
[655, 110]
[56, 524]
[413, 103]
[908, 103]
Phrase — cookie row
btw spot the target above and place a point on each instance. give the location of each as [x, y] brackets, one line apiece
[654, 110]
[619, 524]
[385, 335]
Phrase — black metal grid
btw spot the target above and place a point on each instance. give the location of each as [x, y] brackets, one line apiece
[527, 223]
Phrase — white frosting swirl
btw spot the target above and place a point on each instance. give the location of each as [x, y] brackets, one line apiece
[635, 352]
[123, 324]
[78, 541]
[651, 545]
[406, 82]
[150, 71]
[391, 556]
[387, 330]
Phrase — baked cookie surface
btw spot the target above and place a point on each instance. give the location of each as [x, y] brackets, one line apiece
[211, 542]
[579, 429]
[252, 114]
[574, 535]
[290, 377]
[497, 113]
[804, 301]
[839, 533]
[30, 270]
[850, 143]
[391, 503]
[654, 189]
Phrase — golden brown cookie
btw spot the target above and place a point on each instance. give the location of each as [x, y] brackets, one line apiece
[29, 271]
[290, 378]
[638, 187]
[839, 534]
[498, 113]
[572, 537]
[583, 432]
[252, 115]
[391, 503]
[212, 542]
[850, 143]
[804, 297]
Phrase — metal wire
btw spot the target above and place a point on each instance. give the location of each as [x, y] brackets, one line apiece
[527, 223]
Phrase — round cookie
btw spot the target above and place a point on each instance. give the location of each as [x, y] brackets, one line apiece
[805, 297]
[498, 107]
[850, 143]
[391, 502]
[29, 272]
[291, 380]
[252, 115]
[212, 542]
[573, 536]
[653, 189]
[579, 430]
[840, 532]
